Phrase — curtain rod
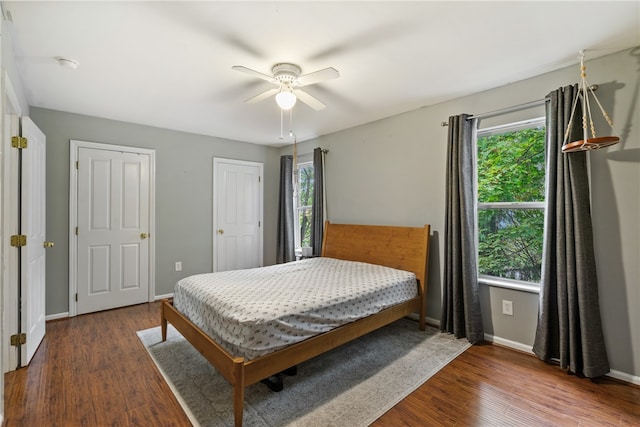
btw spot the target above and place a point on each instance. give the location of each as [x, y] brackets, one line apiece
[513, 108]
[504, 110]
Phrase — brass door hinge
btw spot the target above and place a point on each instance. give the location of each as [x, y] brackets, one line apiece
[19, 142]
[18, 339]
[18, 240]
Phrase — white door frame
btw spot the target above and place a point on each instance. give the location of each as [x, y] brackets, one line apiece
[73, 214]
[260, 166]
[9, 275]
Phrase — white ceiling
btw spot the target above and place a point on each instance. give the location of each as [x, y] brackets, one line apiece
[168, 64]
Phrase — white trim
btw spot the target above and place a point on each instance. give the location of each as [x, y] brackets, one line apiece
[161, 297]
[508, 343]
[297, 238]
[517, 285]
[11, 96]
[511, 127]
[428, 320]
[10, 108]
[633, 379]
[57, 316]
[494, 130]
[74, 145]
[622, 376]
[432, 321]
[511, 205]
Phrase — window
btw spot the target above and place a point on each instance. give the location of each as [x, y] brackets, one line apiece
[510, 202]
[303, 201]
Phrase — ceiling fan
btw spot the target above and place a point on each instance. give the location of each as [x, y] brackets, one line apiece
[288, 80]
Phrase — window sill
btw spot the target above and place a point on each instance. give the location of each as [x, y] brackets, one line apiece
[509, 284]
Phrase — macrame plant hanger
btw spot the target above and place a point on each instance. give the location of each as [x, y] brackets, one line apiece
[586, 143]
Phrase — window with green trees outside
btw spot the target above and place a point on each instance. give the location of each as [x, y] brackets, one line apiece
[303, 200]
[510, 204]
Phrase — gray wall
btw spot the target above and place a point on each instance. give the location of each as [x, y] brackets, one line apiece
[392, 172]
[184, 176]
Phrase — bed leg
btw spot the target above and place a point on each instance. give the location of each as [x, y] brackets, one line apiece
[163, 323]
[238, 392]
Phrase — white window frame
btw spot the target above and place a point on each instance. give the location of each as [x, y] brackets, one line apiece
[302, 162]
[493, 130]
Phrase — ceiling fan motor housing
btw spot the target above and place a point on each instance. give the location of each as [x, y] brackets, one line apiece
[285, 73]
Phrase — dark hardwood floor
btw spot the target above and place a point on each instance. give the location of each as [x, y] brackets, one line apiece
[92, 370]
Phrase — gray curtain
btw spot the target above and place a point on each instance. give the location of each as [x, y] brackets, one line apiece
[317, 209]
[569, 327]
[461, 314]
[285, 241]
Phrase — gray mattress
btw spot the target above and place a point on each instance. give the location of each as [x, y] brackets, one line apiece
[256, 311]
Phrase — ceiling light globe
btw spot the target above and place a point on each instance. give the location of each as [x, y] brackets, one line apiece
[286, 100]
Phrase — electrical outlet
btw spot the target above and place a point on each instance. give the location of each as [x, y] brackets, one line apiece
[507, 307]
[178, 265]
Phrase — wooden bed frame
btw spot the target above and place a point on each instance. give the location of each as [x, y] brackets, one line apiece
[405, 248]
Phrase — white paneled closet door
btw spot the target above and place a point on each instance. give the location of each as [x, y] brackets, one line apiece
[237, 214]
[113, 229]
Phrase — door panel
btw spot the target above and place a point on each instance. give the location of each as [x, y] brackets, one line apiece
[33, 225]
[113, 222]
[237, 215]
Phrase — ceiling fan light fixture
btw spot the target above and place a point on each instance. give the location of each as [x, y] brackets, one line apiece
[286, 99]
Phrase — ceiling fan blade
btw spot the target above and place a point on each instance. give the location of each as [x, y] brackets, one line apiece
[312, 102]
[254, 73]
[318, 76]
[262, 96]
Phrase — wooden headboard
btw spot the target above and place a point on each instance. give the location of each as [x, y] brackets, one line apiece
[404, 248]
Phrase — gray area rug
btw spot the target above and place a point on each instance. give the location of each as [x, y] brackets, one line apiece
[352, 385]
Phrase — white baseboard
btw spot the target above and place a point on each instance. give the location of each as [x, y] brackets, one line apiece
[428, 320]
[622, 376]
[508, 343]
[66, 314]
[56, 316]
[433, 322]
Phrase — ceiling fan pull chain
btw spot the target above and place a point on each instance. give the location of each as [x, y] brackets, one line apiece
[295, 141]
[281, 125]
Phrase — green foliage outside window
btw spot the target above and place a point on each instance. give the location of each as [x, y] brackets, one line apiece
[305, 201]
[511, 168]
